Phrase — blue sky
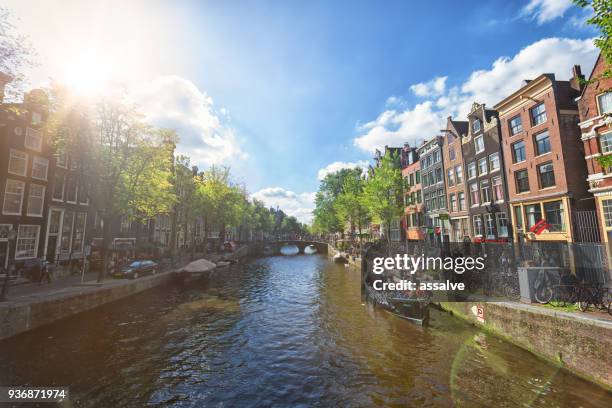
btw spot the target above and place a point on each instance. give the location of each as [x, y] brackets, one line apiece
[282, 90]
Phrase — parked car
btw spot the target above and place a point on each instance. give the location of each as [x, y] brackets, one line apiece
[136, 269]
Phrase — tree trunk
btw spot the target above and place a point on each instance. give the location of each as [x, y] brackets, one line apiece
[106, 240]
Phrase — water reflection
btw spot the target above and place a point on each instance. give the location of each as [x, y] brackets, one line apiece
[281, 331]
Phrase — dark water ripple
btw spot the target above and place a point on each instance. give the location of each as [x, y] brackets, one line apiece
[285, 332]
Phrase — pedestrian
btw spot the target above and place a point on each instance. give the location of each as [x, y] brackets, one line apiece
[45, 272]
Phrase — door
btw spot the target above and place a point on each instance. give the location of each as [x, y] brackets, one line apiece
[4, 254]
[51, 248]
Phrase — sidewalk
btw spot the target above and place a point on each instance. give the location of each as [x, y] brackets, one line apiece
[62, 283]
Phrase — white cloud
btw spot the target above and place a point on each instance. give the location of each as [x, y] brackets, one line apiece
[299, 205]
[177, 103]
[338, 165]
[546, 10]
[425, 119]
[432, 88]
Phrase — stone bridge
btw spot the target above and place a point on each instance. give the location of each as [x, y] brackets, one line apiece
[274, 247]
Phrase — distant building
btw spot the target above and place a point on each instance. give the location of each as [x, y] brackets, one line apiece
[544, 158]
[595, 107]
[455, 180]
[484, 164]
[414, 219]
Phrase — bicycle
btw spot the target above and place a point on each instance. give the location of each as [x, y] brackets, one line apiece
[597, 295]
[543, 286]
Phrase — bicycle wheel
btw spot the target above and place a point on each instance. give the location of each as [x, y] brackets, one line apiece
[584, 300]
[543, 294]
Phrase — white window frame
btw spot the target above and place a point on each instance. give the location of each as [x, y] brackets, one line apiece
[470, 165]
[491, 169]
[76, 188]
[479, 167]
[489, 224]
[5, 196]
[36, 241]
[499, 229]
[15, 152]
[476, 139]
[59, 200]
[40, 159]
[601, 112]
[42, 201]
[608, 148]
[29, 134]
[480, 223]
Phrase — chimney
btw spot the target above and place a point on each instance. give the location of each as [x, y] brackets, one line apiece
[4, 80]
[577, 79]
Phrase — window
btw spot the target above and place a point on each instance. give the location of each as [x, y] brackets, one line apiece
[547, 175]
[33, 139]
[522, 181]
[605, 142]
[516, 125]
[36, 118]
[450, 177]
[13, 197]
[79, 232]
[411, 179]
[453, 202]
[441, 199]
[533, 213]
[477, 221]
[553, 214]
[498, 192]
[489, 225]
[461, 197]
[83, 193]
[436, 156]
[518, 152]
[459, 174]
[431, 178]
[36, 199]
[27, 241]
[538, 114]
[439, 175]
[58, 187]
[419, 197]
[604, 102]
[71, 189]
[471, 170]
[40, 168]
[74, 164]
[542, 143]
[61, 160]
[417, 176]
[518, 218]
[607, 211]
[18, 163]
[451, 154]
[485, 191]
[482, 166]
[476, 125]
[502, 224]
[479, 144]
[67, 231]
[494, 162]
[474, 197]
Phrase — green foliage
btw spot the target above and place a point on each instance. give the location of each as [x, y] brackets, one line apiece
[326, 217]
[349, 205]
[605, 161]
[383, 191]
[602, 20]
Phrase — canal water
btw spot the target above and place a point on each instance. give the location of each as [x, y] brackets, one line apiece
[280, 331]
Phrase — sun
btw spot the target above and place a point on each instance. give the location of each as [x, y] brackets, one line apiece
[87, 73]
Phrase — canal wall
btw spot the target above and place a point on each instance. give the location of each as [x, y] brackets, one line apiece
[579, 343]
[24, 314]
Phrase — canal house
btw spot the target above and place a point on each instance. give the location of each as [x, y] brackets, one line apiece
[544, 158]
[434, 194]
[413, 199]
[487, 196]
[455, 180]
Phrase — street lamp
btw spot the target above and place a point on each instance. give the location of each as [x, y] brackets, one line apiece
[11, 236]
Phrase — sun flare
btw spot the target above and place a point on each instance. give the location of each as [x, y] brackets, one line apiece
[87, 73]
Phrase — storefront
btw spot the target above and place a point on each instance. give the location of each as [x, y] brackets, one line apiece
[555, 211]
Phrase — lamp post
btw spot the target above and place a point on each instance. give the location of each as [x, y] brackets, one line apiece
[11, 236]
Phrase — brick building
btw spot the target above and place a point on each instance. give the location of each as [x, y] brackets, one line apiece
[413, 199]
[455, 179]
[544, 158]
[487, 197]
[595, 108]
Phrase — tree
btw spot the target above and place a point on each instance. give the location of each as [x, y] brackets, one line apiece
[602, 20]
[349, 205]
[16, 53]
[383, 191]
[125, 164]
[326, 219]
